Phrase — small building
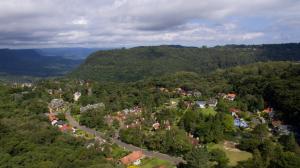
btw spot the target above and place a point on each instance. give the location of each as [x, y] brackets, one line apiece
[194, 141]
[212, 102]
[133, 158]
[52, 117]
[234, 112]
[231, 96]
[269, 111]
[240, 123]
[201, 104]
[60, 123]
[280, 128]
[50, 91]
[91, 106]
[197, 93]
[29, 85]
[56, 105]
[156, 126]
[167, 125]
[76, 96]
[54, 122]
[65, 128]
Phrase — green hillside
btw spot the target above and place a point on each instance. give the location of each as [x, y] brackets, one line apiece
[142, 62]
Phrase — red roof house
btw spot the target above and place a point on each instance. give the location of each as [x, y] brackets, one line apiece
[231, 96]
[133, 158]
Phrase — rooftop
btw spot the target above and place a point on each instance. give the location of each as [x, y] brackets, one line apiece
[134, 156]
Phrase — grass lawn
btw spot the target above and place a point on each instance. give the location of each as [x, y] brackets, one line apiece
[118, 152]
[234, 155]
[208, 111]
[84, 134]
[153, 162]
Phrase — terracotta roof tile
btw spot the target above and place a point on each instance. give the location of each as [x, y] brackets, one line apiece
[134, 156]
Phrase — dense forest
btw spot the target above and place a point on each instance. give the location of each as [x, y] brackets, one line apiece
[141, 62]
[28, 140]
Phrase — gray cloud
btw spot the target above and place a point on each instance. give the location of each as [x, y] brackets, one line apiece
[115, 23]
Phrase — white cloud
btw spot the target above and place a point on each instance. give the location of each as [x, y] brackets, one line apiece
[146, 22]
[80, 21]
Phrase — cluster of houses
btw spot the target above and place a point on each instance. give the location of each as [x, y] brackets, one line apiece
[238, 121]
[122, 116]
[181, 92]
[22, 85]
[64, 127]
[91, 107]
[165, 125]
[55, 92]
[278, 126]
[213, 102]
[209, 103]
[58, 106]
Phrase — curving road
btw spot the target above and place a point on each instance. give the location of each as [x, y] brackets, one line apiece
[74, 123]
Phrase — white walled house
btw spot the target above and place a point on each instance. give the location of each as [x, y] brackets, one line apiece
[76, 96]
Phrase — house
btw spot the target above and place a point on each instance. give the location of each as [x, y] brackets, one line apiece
[56, 105]
[212, 102]
[54, 122]
[173, 102]
[65, 128]
[52, 117]
[181, 91]
[189, 93]
[197, 93]
[133, 158]
[280, 128]
[269, 111]
[29, 85]
[240, 123]
[76, 96]
[90, 107]
[162, 89]
[230, 96]
[193, 141]
[60, 123]
[167, 125]
[136, 110]
[234, 112]
[284, 129]
[156, 126]
[50, 91]
[201, 104]
[221, 95]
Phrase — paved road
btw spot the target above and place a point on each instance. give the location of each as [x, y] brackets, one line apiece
[129, 147]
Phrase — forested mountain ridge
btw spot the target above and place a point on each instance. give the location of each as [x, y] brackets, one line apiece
[29, 62]
[142, 62]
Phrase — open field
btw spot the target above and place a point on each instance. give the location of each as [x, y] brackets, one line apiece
[154, 162]
[235, 155]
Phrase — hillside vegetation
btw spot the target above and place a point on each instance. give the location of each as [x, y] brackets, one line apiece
[29, 62]
[141, 62]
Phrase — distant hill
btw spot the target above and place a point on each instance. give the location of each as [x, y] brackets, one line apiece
[142, 62]
[70, 53]
[29, 62]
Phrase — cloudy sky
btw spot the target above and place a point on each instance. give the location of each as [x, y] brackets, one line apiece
[127, 23]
